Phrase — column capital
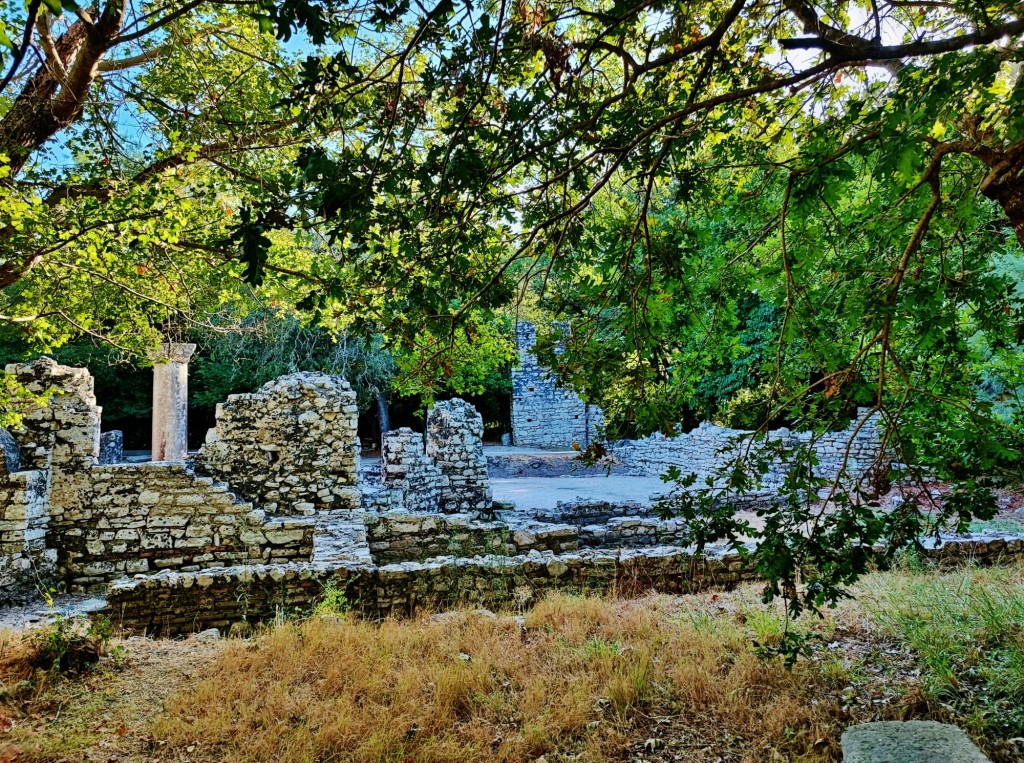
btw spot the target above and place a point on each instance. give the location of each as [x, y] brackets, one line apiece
[172, 352]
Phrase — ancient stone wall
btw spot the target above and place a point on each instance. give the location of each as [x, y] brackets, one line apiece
[174, 603]
[64, 435]
[140, 518]
[706, 449]
[398, 537]
[291, 447]
[26, 565]
[545, 415]
[406, 468]
[64, 515]
[171, 603]
[455, 432]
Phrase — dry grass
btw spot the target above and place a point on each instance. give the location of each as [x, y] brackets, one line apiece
[581, 677]
[656, 679]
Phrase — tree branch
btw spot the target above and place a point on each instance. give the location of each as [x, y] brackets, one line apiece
[846, 53]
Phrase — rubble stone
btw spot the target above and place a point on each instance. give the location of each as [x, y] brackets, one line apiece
[291, 447]
[455, 432]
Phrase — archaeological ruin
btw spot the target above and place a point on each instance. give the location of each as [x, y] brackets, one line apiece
[279, 503]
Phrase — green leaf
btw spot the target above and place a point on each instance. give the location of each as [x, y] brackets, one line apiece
[55, 6]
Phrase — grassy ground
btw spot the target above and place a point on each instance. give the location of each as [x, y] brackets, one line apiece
[655, 679]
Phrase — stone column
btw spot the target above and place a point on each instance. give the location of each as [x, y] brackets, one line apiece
[170, 401]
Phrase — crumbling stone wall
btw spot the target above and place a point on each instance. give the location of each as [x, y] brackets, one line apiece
[455, 432]
[60, 441]
[851, 451]
[171, 603]
[62, 511]
[291, 447]
[140, 518]
[406, 468]
[64, 435]
[25, 562]
[545, 415]
[398, 537]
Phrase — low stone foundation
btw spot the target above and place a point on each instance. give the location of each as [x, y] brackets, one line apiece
[171, 603]
[555, 464]
[400, 537]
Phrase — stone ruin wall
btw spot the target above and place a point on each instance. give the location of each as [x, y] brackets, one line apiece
[275, 458]
[139, 518]
[25, 561]
[455, 442]
[395, 538]
[172, 603]
[409, 473]
[68, 517]
[545, 415]
[852, 451]
[291, 447]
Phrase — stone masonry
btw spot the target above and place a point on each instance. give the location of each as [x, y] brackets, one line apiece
[291, 447]
[406, 468]
[455, 433]
[67, 518]
[849, 452]
[137, 518]
[24, 559]
[545, 415]
[171, 603]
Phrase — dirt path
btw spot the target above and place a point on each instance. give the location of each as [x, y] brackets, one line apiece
[104, 717]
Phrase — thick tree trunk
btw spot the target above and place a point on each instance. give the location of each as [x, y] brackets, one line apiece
[1004, 184]
[54, 97]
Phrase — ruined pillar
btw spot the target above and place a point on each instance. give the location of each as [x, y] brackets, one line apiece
[455, 431]
[170, 401]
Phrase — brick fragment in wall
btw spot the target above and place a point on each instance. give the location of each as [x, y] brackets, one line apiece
[291, 447]
[455, 442]
[545, 415]
[405, 467]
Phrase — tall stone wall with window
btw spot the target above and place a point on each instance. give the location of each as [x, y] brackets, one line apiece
[545, 415]
[291, 447]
